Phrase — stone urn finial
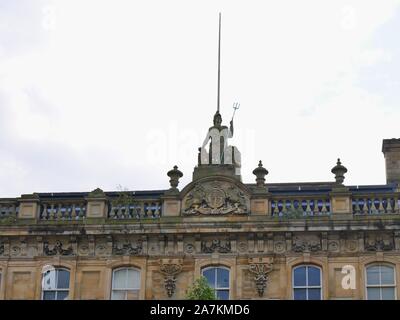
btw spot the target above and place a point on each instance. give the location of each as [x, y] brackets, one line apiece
[260, 172]
[174, 175]
[339, 170]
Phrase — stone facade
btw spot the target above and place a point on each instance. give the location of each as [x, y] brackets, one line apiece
[258, 232]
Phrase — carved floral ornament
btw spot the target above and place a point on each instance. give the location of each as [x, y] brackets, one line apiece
[216, 198]
[170, 270]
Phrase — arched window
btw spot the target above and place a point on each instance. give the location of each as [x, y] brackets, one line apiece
[381, 282]
[307, 283]
[125, 284]
[218, 279]
[55, 284]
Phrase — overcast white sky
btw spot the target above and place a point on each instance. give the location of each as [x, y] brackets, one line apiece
[105, 93]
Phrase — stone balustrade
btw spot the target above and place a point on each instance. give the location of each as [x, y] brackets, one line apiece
[300, 207]
[138, 210]
[9, 209]
[370, 204]
[81, 207]
[58, 211]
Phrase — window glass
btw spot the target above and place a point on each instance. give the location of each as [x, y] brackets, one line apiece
[373, 275]
[63, 279]
[314, 276]
[387, 275]
[300, 277]
[210, 276]
[222, 278]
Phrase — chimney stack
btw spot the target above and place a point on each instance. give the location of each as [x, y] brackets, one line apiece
[391, 151]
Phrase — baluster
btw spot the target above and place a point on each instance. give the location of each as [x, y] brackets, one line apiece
[284, 208]
[389, 208]
[374, 208]
[157, 211]
[73, 213]
[324, 209]
[82, 212]
[292, 208]
[149, 212]
[316, 207]
[142, 212]
[276, 209]
[51, 214]
[58, 213]
[113, 213]
[365, 209]
[119, 212]
[43, 215]
[357, 206]
[381, 208]
[396, 205]
[308, 207]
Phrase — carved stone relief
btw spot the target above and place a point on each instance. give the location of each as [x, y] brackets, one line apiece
[260, 271]
[306, 245]
[215, 198]
[128, 248]
[216, 246]
[57, 249]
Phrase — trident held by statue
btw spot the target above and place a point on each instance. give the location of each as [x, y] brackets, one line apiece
[236, 106]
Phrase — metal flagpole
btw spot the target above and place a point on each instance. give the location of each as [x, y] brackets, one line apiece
[219, 62]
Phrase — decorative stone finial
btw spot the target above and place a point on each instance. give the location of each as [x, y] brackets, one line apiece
[174, 174]
[96, 193]
[260, 172]
[339, 170]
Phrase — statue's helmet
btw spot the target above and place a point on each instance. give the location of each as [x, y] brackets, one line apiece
[217, 119]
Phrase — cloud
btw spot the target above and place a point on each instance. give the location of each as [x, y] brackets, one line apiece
[90, 88]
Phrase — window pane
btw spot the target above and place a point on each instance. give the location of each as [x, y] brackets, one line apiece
[49, 280]
[118, 295]
[373, 294]
[63, 279]
[387, 275]
[62, 295]
[373, 275]
[300, 276]
[133, 279]
[210, 276]
[119, 279]
[222, 278]
[223, 294]
[314, 278]
[314, 294]
[49, 295]
[388, 294]
[300, 294]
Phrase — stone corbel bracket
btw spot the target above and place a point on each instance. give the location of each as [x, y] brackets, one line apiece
[170, 268]
[261, 267]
